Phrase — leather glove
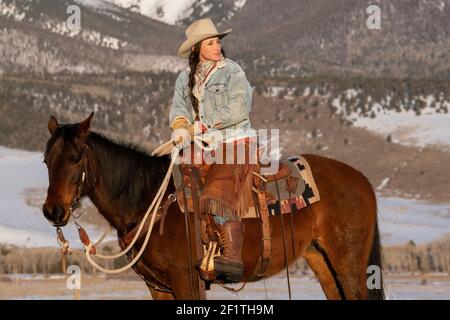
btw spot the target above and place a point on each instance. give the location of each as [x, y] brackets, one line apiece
[179, 122]
[181, 137]
[184, 123]
[182, 133]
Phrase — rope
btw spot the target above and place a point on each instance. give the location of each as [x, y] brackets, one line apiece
[153, 208]
[162, 147]
[158, 198]
[65, 244]
[107, 231]
[232, 289]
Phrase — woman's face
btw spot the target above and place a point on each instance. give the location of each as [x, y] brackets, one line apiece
[211, 49]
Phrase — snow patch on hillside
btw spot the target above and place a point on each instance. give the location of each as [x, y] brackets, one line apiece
[9, 10]
[427, 126]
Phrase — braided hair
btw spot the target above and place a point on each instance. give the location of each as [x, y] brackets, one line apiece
[194, 59]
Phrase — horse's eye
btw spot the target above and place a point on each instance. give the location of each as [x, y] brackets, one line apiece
[76, 158]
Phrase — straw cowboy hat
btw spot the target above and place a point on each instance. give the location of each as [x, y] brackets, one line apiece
[199, 30]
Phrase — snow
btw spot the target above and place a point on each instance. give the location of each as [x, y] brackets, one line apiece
[409, 129]
[9, 10]
[172, 9]
[168, 11]
[97, 4]
[90, 36]
[303, 287]
[18, 222]
[352, 93]
[274, 92]
[405, 127]
[104, 7]
[239, 3]
[400, 219]
[21, 224]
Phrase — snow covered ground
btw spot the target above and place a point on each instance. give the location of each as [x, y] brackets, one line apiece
[21, 224]
[400, 219]
[405, 127]
[303, 287]
[409, 129]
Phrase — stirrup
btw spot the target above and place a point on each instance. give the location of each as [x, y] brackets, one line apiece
[229, 271]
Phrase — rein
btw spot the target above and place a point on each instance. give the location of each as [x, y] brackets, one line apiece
[90, 248]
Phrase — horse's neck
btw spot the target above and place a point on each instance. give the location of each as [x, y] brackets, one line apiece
[123, 218]
[105, 206]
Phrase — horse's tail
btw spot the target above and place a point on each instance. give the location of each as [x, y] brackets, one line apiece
[375, 260]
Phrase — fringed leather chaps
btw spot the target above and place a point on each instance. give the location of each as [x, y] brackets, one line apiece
[227, 189]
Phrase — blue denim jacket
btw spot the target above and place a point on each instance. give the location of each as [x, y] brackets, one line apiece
[226, 100]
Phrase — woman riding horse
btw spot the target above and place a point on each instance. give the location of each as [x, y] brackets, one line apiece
[213, 94]
[338, 235]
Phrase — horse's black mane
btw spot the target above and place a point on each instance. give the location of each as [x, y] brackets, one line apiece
[131, 175]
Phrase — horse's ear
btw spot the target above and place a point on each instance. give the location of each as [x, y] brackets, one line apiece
[83, 128]
[52, 124]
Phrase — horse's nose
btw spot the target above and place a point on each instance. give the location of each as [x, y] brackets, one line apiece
[47, 212]
[55, 214]
[58, 213]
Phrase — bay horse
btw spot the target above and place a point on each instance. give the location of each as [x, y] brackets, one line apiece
[338, 236]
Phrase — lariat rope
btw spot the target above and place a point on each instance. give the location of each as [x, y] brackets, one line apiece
[90, 249]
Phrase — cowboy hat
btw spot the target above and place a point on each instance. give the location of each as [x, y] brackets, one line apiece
[199, 30]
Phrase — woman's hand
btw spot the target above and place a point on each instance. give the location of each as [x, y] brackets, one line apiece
[181, 137]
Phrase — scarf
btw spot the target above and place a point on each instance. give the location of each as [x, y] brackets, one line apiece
[204, 70]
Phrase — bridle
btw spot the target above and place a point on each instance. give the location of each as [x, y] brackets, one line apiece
[76, 203]
[90, 248]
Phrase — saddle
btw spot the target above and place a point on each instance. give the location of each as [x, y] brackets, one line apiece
[293, 181]
[287, 189]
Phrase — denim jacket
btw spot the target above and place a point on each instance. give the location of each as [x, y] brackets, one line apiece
[226, 100]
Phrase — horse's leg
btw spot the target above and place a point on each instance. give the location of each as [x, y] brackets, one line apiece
[344, 226]
[317, 263]
[340, 252]
[159, 295]
[344, 241]
[343, 274]
[181, 286]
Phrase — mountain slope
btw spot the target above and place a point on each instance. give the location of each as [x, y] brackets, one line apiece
[300, 37]
[34, 37]
[332, 36]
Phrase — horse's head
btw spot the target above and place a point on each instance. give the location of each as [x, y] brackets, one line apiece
[65, 157]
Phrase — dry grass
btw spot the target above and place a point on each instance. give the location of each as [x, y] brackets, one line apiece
[432, 257]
